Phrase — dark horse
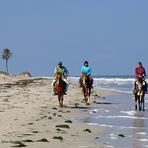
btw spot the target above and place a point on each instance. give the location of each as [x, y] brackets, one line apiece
[60, 86]
[140, 89]
[86, 85]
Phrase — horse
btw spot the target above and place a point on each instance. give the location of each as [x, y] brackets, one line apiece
[59, 87]
[86, 85]
[140, 90]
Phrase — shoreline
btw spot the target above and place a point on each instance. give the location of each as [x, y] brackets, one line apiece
[30, 113]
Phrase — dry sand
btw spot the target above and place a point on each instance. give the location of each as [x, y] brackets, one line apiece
[29, 114]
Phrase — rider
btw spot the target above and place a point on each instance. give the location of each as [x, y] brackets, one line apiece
[140, 70]
[63, 70]
[86, 68]
[140, 74]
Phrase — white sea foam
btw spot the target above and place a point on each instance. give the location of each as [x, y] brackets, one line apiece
[142, 133]
[114, 117]
[113, 138]
[120, 127]
[143, 140]
[131, 113]
[109, 146]
[119, 84]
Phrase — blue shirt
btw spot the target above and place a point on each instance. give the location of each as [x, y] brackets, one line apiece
[87, 70]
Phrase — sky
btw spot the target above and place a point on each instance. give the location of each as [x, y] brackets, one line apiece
[112, 35]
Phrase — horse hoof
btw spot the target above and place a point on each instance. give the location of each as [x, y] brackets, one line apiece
[87, 103]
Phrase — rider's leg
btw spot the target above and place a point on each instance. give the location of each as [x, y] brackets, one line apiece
[52, 85]
[67, 84]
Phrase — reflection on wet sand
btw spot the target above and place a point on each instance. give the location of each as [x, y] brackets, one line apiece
[138, 123]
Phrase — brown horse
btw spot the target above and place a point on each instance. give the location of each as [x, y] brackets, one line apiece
[139, 92]
[60, 88]
[86, 85]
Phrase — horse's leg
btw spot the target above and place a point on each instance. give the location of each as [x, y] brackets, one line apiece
[86, 96]
[59, 99]
[139, 102]
[89, 92]
[62, 98]
[142, 102]
[136, 98]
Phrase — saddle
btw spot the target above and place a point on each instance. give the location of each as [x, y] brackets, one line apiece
[88, 80]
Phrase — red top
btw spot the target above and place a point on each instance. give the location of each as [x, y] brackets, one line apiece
[140, 71]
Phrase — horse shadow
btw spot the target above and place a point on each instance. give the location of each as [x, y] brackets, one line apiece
[105, 103]
[79, 107]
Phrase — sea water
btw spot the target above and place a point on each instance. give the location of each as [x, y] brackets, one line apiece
[118, 114]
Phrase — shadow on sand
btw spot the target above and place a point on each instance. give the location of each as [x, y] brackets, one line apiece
[79, 107]
[106, 103]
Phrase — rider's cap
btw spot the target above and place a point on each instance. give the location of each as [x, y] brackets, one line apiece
[60, 63]
[140, 63]
[86, 62]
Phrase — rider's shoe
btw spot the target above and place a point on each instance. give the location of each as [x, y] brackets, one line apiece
[55, 94]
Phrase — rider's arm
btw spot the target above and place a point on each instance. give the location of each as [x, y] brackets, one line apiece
[55, 70]
[90, 71]
[144, 72]
[66, 72]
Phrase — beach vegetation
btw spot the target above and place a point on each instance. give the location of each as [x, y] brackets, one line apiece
[43, 140]
[63, 126]
[68, 121]
[87, 130]
[4, 72]
[28, 140]
[6, 54]
[58, 137]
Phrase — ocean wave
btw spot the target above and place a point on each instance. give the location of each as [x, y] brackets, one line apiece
[117, 84]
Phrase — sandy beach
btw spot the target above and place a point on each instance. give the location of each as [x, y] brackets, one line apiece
[31, 117]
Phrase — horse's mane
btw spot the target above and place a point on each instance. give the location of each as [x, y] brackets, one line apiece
[84, 76]
[140, 83]
[58, 75]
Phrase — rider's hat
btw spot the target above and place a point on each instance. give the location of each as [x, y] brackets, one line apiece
[86, 62]
[140, 63]
[60, 63]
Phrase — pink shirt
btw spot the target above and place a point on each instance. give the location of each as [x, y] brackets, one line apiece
[140, 71]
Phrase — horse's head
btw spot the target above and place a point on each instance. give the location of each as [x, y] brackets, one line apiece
[85, 79]
[58, 75]
[84, 76]
[59, 82]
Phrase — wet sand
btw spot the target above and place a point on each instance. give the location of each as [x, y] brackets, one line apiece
[30, 115]
[126, 128]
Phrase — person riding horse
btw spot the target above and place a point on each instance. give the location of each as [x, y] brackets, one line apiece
[86, 81]
[60, 88]
[64, 72]
[86, 68]
[140, 89]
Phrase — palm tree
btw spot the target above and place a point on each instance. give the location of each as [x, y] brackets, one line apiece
[6, 54]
